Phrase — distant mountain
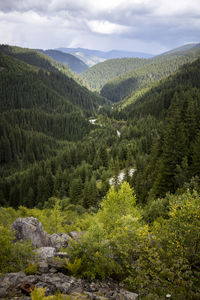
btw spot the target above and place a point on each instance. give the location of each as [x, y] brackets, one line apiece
[92, 57]
[180, 49]
[75, 64]
[98, 75]
[158, 67]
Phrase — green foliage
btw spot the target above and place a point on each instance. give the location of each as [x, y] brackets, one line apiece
[75, 64]
[13, 257]
[155, 69]
[102, 248]
[39, 294]
[173, 160]
[155, 209]
[73, 267]
[156, 261]
[31, 268]
[98, 75]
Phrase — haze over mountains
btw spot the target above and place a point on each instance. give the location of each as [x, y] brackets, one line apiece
[75, 64]
[92, 57]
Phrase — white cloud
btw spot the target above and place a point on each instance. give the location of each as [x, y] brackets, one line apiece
[139, 25]
[106, 27]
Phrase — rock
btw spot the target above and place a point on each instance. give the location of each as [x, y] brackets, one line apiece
[125, 295]
[43, 267]
[53, 270]
[59, 240]
[58, 265]
[68, 285]
[13, 278]
[61, 254]
[30, 228]
[3, 292]
[46, 252]
[75, 235]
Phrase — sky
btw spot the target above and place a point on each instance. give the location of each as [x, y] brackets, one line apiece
[149, 26]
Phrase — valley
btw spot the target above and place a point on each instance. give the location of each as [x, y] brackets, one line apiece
[112, 152]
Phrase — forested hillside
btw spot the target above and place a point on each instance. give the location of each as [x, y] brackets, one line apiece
[98, 75]
[75, 64]
[157, 68]
[40, 111]
[62, 149]
[36, 58]
[173, 162]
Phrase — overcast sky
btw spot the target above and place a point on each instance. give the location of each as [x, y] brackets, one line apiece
[151, 26]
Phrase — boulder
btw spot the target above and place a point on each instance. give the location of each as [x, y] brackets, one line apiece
[30, 228]
[46, 252]
[43, 267]
[128, 295]
[59, 240]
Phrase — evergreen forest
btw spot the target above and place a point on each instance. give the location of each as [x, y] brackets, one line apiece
[113, 153]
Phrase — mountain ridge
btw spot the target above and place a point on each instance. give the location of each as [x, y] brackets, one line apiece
[75, 64]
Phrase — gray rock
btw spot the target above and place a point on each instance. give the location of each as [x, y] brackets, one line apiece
[3, 292]
[59, 240]
[66, 284]
[43, 267]
[125, 295]
[53, 270]
[75, 235]
[46, 252]
[13, 278]
[30, 228]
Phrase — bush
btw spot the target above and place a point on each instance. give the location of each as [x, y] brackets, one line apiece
[13, 257]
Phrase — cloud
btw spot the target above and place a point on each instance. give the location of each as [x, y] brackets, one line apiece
[106, 27]
[140, 25]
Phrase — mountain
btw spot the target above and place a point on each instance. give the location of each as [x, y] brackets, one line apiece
[98, 75]
[155, 69]
[75, 64]
[40, 108]
[58, 152]
[92, 57]
[182, 48]
[171, 110]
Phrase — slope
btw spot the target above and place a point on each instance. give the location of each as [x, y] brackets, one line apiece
[98, 75]
[37, 58]
[63, 80]
[156, 69]
[173, 107]
[75, 64]
[39, 111]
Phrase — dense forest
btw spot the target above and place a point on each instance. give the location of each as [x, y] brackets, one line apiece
[157, 68]
[98, 75]
[75, 64]
[62, 149]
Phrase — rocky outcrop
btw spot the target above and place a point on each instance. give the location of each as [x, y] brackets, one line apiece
[27, 229]
[11, 287]
[59, 240]
[46, 252]
[30, 229]
[51, 272]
